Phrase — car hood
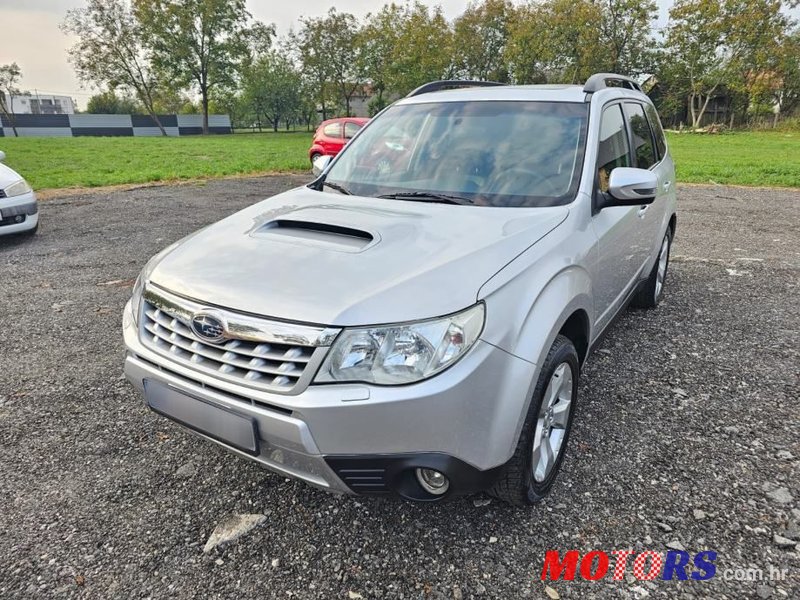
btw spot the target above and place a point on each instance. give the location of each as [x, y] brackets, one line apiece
[7, 176]
[329, 259]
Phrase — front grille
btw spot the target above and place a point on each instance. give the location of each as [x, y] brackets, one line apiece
[267, 365]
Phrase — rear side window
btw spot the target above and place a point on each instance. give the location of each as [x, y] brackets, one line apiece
[614, 151]
[643, 147]
[655, 124]
[333, 130]
[350, 129]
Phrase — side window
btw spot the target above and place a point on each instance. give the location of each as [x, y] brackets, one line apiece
[614, 151]
[655, 124]
[333, 130]
[642, 136]
[350, 129]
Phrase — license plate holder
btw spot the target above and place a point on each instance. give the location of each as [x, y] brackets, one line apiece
[218, 423]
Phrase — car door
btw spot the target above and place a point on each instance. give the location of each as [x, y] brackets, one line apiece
[332, 138]
[664, 169]
[350, 129]
[622, 245]
[646, 156]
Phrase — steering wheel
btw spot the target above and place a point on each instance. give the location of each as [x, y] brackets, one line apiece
[522, 178]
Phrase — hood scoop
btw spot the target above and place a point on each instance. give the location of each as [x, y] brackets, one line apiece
[328, 235]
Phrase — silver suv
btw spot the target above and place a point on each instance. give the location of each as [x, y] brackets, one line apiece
[414, 321]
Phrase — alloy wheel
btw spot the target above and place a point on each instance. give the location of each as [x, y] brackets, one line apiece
[551, 423]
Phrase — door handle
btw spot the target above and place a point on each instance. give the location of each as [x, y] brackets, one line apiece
[666, 185]
[642, 210]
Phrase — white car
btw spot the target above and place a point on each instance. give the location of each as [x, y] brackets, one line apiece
[19, 211]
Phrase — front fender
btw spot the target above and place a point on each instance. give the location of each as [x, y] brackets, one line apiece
[528, 301]
[524, 317]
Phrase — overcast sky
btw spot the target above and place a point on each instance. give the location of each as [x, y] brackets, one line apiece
[31, 36]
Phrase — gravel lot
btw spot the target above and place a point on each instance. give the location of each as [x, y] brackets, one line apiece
[693, 407]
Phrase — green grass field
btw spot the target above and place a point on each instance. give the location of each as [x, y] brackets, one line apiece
[747, 158]
[97, 161]
[762, 158]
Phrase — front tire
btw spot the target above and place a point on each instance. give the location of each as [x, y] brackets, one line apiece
[652, 290]
[529, 475]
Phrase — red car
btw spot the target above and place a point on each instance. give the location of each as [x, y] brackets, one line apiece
[333, 134]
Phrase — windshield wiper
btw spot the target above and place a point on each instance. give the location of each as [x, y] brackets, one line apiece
[339, 188]
[428, 197]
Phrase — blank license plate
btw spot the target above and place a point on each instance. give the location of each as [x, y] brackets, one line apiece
[221, 424]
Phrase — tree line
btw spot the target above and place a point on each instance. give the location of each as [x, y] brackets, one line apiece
[157, 55]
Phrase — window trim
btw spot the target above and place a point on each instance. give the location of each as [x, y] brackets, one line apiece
[652, 129]
[630, 135]
[344, 129]
[631, 157]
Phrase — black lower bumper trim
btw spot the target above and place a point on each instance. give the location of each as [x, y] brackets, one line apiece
[396, 473]
[29, 209]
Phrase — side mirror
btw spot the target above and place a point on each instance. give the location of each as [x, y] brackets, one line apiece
[320, 164]
[2, 156]
[631, 187]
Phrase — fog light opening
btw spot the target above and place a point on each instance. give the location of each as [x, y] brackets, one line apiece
[433, 481]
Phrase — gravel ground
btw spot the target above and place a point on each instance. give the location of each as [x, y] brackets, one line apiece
[687, 433]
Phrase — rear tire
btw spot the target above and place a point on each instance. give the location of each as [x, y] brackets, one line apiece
[652, 290]
[525, 479]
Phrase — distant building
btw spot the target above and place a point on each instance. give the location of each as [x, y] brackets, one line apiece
[359, 102]
[40, 104]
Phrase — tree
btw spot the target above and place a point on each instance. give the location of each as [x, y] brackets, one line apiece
[423, 51]
[378, 40]
[329, 53]
[111, 52]
[556, 41]
[341, 36]
[479, 40]
[626, 34]
[200, 43]
[174, 102]
[758, 33]
[787, 93]
[271, 88]
[109, 103]
[711, 44]
[9, 76]
[307, 106]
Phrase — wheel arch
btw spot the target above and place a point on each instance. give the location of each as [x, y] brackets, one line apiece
[529, 328]
[576, 328]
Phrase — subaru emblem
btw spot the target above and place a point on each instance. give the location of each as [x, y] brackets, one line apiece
[208, 328]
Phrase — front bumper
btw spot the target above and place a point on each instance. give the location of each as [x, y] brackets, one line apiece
[18, 214]
[464, 421]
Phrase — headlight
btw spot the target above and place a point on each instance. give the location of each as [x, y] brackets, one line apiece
[144, 276]
[403, 353]
[17, 189]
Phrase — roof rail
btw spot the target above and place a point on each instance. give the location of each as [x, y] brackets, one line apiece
[449, 84]
[598, 81]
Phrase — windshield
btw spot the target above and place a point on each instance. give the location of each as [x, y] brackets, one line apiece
[482, 153]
